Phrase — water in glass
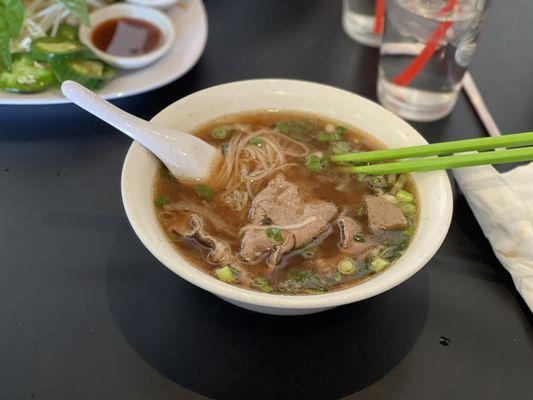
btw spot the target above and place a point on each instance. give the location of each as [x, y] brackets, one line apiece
[427, 46]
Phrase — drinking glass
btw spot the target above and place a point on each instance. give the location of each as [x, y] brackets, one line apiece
[427, 46]
[362, 20]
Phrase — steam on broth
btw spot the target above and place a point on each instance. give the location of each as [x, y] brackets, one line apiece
[276, 217]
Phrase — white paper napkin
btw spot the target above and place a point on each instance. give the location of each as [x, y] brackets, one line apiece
[503, 206]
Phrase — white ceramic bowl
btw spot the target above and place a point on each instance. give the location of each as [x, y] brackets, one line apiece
[191, 112]
[151, 15]
[162, 4]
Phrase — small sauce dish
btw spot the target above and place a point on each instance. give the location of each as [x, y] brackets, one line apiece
[128, 36]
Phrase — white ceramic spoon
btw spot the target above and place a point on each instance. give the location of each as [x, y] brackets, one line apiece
[185, 155]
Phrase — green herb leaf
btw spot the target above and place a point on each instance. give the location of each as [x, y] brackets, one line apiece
[11, 17]
[161, 201]
[359, 238]
[298, 129]
[78, 8]
[266, 220]
[220, 133]
[5, 53]
[282, 126]
[340, 147]
[204, 192]
[255, 141]
[340, 130]
[323, 137]
[274, 234]
[297, 281]
[14, 13]
[262, 284]
[313, 163]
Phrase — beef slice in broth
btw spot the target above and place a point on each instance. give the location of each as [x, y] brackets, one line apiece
[280, 206]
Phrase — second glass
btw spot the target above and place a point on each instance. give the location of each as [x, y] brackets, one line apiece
[427, 46]
[362, 20]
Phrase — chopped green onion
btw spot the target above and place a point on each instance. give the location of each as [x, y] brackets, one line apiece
[322, 137]
[335, 136]
[255, 141]
[308, 251]
[378, 264]
[313, 163]
[340, 148]
[408, 209]
[379, 180]
[360, 211]
[204, 192]
[404, 196]
[337, 276]
[346, 267]
[261, 284]
[227, 274]
[340, 130]
[359, 238]
[274, 234]
[161, 201]
[220, 133]
[282, 126]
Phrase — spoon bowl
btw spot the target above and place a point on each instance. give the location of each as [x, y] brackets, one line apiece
[186, 156]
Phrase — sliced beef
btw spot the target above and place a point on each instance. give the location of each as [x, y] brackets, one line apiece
[348, 228]
[288, 244]
[383, 215]
[220, 251]
[280, 205]
[254, 244]
[279, 201]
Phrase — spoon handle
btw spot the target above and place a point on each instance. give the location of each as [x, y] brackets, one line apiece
[187, 156]
[103, 109]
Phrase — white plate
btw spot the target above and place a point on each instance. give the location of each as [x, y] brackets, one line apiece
[190, 21]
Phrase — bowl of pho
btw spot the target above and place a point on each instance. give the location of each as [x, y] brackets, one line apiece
[277, 228]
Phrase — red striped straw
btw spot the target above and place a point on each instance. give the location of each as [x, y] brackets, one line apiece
[405, 77]
[379, 13]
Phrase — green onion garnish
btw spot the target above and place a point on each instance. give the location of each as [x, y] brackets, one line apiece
[204, 192]
[220, 133]
[161, 201]
[255, 141]
[274, 234]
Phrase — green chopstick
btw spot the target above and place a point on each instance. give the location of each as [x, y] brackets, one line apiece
[445, 148]
[436, 163]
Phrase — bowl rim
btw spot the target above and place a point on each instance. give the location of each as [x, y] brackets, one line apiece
[277, 301]
[150, 14]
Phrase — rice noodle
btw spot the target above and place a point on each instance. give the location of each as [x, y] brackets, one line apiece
[291, 226]
[248, 166]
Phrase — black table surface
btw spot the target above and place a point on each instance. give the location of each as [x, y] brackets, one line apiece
[88, 313]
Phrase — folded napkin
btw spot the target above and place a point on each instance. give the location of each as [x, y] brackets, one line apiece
[503, 206]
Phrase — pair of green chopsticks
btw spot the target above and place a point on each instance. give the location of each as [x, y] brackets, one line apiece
[447, 152]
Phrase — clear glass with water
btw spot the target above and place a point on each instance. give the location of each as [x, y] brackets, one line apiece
[427, 46]
[359, 21]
